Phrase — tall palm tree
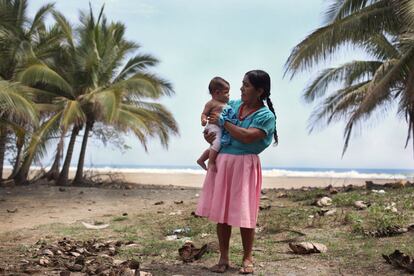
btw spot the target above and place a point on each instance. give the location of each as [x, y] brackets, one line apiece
[20, 37]
[367, 86]
[95, 53]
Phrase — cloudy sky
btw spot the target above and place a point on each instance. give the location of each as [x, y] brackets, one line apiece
[197, 40]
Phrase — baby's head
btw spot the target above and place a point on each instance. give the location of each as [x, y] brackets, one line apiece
[219, 89]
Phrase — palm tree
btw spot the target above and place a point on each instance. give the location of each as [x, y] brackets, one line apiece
[367, 86]
[104, 95]
[20, 37]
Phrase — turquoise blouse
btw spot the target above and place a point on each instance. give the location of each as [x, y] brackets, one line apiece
[262, 119]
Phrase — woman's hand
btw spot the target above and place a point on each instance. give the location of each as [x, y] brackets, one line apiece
[214, 118]
[209, 136]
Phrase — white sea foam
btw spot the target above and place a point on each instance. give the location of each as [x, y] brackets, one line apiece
[351, 174]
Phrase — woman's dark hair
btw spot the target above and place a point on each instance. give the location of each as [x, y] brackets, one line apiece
[261, 80]
[217, 83]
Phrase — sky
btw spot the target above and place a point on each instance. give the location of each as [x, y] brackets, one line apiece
[197, 40]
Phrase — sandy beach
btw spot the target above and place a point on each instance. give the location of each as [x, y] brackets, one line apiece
[195, 180]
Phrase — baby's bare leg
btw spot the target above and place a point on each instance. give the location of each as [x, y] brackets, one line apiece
[212, 160]
[201, 161]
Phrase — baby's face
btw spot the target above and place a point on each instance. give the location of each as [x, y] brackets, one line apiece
[222, 95]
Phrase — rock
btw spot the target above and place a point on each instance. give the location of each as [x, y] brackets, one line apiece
[307, 247]
[324, 201]
[62, 189]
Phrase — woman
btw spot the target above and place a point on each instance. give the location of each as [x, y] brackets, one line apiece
[230, 196]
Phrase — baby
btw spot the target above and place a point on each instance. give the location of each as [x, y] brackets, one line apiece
[220, 93]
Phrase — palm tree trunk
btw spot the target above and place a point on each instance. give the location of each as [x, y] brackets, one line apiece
[3, 137]
[21, 176]
[16, 167]
[63, 176]
[79, 172]
[53, 173]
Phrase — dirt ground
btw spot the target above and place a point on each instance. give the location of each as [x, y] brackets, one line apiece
[44, 204]
[28, 212]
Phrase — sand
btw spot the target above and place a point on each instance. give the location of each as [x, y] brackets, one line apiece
[196, 180]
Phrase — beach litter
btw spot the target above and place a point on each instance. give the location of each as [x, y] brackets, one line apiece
[184, 230]
[307, 247]
[12, 210]
[400, 260]
[388, 231]
[179, 202]
[324, 201]
[72, 257]
[381, 192]
[94, 226]
[361, 205]
[159, 202]
[326, 212]
[188, 252]
[391, 207]
[178, 212]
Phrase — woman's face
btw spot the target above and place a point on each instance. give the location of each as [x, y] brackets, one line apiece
[249, 94]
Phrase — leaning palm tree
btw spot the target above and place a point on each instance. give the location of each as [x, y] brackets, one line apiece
[20, 36]
[366, 86]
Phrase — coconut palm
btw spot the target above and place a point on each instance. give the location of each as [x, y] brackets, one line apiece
[20, 38]
[106, 92]
[367, 86]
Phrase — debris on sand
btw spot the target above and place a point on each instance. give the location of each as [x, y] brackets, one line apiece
[323, 202]
[307, 247]
[361, 205]
[159, 202]
[381, 192]
[326, 212]
[179, 202]
[400, 260]
[391, 207]
[263, 207]
[188, 252]
[12, 210]
[94, 226]
[90, 257]
[388, 231]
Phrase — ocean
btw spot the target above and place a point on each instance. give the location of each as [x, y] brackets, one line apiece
[271, 171]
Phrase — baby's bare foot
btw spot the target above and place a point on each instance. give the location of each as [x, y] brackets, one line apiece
[202, 164]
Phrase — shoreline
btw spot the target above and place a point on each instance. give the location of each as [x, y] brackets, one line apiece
[195, 180]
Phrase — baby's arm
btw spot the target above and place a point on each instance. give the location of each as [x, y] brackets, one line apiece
[206, 112]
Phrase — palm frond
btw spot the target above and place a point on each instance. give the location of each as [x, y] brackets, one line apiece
[348, 73]
[325, 41]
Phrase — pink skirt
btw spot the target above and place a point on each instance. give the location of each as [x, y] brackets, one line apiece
[232, 195]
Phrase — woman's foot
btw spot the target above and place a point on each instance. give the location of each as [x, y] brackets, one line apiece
[247, 267]
[202, 164]
[219, 268]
